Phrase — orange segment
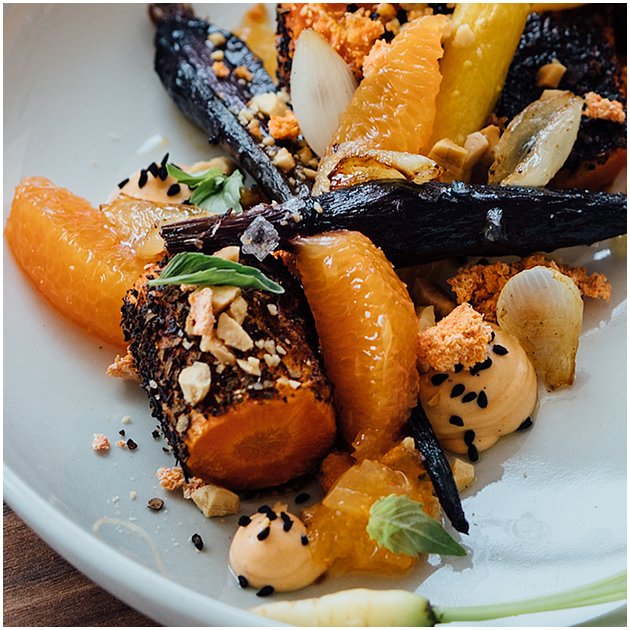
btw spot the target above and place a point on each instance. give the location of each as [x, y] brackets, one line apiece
[337, 525]
[394, 108]
[367, 328]
[83, 259]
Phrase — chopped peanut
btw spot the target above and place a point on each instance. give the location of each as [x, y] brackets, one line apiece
[550, 75]
[200, 320]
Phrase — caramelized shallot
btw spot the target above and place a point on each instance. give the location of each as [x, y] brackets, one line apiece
[543, 309]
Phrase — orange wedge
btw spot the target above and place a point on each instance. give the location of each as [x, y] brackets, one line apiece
[394, 107]
[81, 258]
[367, 329]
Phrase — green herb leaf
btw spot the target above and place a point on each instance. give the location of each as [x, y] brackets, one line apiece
[200, 269]
[400, 524]
[213, 190]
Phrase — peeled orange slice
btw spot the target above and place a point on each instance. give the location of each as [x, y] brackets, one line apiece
[81, 258]
[367, 328]
[393, 108]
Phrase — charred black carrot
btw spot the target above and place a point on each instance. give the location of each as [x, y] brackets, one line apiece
[418, 223]
[438, 468]
[212, 76]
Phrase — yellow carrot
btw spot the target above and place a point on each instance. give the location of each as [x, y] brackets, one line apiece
[476, 59]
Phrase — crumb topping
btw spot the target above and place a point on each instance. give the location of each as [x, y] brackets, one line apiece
[480, 285]
[124, 367]
[603, 108]
[172, 479]
[100, 443]
[220, 70]
[284, 127]
[461, 337]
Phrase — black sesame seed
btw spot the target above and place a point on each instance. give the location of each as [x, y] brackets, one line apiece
[499, 349]
[469, 397]
[473, 453]
[164, 160]
[352, 8]
[469, 437]
[166, 449]
[123, 183]
[303, 497]
[153, 169]
[268, 512]
[244, 521]
[457, 421]
[197, 541]
[173, 189]
[263, 533]
[265, 591]
[155, 433]
[438, 379]
[131, 445]
[457, 390]
[526, 424]
[304, 539]
[143, 179]
[482, 400]
[492, 336]
[458, 368]
[287, 523]
[121, 432]
[482, 365]
[242, 581]
[155, 504]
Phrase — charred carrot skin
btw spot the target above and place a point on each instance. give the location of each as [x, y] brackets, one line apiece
[419, 223]
[211, 94]
[237, 435]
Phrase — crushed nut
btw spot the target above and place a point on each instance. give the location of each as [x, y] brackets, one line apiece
[238, 309]
[251, 366]
[268, 103]
[200, 320]
[223, 296]
[215, 501]
[233, 334]
[195, 381]
[273, 309]
[217, 39]
[550, 75]
[284, 160]
[220, 70]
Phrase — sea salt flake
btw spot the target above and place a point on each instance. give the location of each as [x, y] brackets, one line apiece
[493, 230]
[260, 238]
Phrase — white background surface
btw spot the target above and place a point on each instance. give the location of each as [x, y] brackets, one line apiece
[548, 511]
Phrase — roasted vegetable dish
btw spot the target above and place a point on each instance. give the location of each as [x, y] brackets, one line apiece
[318, 300]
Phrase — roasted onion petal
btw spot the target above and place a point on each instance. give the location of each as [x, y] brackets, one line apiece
[537, 141]
[543, 309]
[378, 165]
[322, 86]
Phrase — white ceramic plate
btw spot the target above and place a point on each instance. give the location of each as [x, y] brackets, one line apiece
[81, 99]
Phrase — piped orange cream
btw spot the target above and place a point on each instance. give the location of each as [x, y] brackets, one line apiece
[471, 408]
[271, 549]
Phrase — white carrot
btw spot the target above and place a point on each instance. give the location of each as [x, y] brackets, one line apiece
[365, 607]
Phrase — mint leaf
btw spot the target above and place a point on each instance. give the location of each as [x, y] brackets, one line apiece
[213, 190]
[400, 524]
[202, 270]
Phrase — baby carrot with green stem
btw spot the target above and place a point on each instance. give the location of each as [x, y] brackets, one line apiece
[365, 607]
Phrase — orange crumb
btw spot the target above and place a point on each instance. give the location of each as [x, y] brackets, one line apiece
[350, 34]
[460, 337]
[604, 108]
[284, 127]
[241, 72]
[123, 367]
[173, 479]
[121, 444]
[100, 443]
[220, 69]
[480, 285]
